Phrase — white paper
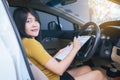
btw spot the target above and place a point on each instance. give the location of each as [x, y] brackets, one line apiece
[83, 40]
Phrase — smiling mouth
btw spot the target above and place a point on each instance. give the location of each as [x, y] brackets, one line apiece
[34, 30]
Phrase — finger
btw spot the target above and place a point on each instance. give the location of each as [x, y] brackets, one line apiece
[75, 38]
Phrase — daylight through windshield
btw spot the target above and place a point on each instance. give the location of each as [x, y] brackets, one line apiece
[104, 10]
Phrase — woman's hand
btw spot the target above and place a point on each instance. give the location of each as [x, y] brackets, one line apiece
[60, 67]
[76, 44]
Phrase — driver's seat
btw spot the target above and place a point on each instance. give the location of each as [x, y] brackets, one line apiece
[37, 73]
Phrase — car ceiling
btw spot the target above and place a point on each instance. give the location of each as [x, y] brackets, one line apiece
[47, 2]
[35, 1]
[55, 2]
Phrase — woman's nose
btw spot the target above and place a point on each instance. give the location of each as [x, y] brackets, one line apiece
[34, 23]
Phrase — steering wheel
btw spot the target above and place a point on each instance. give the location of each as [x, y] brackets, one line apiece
[88, 50]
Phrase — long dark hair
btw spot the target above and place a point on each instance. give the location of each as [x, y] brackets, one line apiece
[20, 17]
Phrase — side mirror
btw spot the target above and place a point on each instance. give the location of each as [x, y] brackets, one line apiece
[53, 26]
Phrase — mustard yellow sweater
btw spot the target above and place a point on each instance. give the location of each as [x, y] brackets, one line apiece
[38, 55]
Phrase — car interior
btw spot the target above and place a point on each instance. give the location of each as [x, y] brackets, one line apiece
[37, 73]
[101, 51]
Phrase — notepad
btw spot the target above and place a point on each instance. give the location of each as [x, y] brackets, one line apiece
[83, 40]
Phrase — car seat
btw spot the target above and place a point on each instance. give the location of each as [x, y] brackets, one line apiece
[37, 73]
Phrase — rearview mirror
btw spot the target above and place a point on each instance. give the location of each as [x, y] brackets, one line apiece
[65, 2]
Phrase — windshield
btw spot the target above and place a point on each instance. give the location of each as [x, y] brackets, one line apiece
[98, 11]
[78, 9]
[104, 10]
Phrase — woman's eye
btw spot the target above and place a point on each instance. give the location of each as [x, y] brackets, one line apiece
[28, 21]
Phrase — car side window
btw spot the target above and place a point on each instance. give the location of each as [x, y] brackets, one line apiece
[46, 18]
[66, 25]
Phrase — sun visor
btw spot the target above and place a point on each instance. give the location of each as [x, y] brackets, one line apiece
[53, 3]
[116, 1]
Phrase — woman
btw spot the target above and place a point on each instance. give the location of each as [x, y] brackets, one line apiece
[28, 24]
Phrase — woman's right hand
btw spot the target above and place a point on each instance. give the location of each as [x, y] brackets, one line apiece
[76, 44]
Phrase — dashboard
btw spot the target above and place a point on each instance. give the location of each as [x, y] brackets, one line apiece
[110, 41]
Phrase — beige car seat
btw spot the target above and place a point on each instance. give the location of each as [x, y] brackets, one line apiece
[37, 73]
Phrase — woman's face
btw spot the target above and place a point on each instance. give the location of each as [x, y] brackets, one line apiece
[32, 26]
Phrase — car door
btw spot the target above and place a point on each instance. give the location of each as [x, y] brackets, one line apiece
[13, 61]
